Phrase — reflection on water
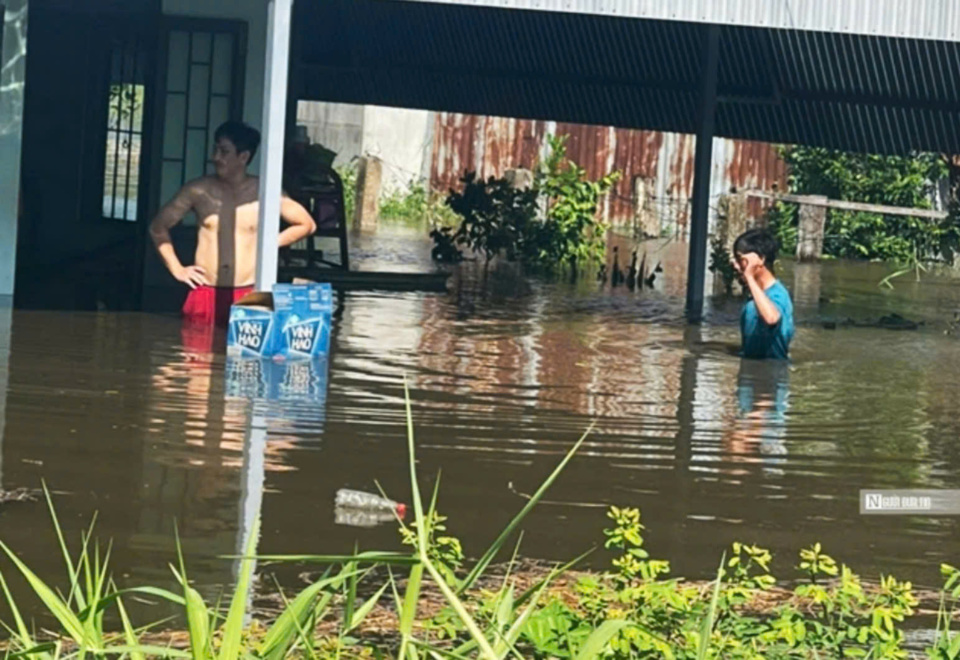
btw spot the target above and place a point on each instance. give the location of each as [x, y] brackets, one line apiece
[115, 411]
[763, 391]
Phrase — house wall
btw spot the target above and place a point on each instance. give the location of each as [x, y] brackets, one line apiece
[13, 67]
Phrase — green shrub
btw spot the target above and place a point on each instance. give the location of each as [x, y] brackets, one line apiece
[906, 181]
[553, 225]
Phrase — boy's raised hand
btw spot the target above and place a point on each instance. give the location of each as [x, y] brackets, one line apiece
[752, 265]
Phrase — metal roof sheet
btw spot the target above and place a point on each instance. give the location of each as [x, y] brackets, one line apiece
[849, 91]
[918, 19]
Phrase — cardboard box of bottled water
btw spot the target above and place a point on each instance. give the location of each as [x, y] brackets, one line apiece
[291, 323]
[251, 329]
[302, 314]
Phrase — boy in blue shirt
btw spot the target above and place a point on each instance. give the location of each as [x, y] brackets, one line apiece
[766, 322]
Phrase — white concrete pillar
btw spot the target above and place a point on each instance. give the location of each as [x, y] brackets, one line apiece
[279, 14]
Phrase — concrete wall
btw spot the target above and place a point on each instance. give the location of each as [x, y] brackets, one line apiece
[401, 138]
[13, 61]
[337, 126]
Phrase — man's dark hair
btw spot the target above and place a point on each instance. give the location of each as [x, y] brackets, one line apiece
[244, 138]
[759, 241]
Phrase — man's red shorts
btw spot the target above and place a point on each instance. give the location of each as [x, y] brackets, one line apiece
[207, 307]
[211, 305]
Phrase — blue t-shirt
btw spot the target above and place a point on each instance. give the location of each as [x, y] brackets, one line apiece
[762, 341]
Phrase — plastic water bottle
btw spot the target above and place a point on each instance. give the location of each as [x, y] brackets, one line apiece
[358, 500]
[362, 517]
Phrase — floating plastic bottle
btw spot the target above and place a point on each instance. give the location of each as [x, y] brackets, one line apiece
[358, 500]
[362, 517]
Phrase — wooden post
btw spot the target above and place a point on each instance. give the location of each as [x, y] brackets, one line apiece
[647, 221]
[369, 176]
[519, 178]
[813, 220]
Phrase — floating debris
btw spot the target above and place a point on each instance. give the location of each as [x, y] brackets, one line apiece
[362, 517]
[888, 322]
[19, 495]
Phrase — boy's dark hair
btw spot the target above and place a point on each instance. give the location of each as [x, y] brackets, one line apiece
[244, 138]
[759, 241]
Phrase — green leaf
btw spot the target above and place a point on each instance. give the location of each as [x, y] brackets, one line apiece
[361, 613]
[233, 627]
[599, 638]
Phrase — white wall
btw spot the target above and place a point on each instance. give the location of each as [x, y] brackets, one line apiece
[254, 12]
[337, 126]
[402, 139]
[14, 62]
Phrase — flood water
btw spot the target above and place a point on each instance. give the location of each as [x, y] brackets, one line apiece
[124, 415]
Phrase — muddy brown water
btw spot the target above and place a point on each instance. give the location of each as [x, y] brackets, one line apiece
[505, 373]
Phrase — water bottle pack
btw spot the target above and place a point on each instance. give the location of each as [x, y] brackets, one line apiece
[293, 322]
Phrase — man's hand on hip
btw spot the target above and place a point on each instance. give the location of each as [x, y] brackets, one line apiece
[193, 276]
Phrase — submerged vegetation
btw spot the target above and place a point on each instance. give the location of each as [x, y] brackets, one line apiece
[635, 609]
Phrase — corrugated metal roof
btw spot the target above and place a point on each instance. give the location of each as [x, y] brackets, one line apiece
[855, 92]
[918, 19]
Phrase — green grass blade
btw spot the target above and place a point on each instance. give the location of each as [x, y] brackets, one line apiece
[233, 628]
[513, 634]
[71, 571]
[393, 558]
[464, 615]
[306, 639]
[364, 610]
[351, 597]
[71, 624]
[197, 613]
[409, 612]
[129, 635]
[706, 629]
[599, 638]
[283, 633]
[504, 611]
[177, 599]
[414, 483]
[559, 570]
[147, 650]
[393, 587]
[25, 638]
[492, 551]
[40, 650]
[439, 652]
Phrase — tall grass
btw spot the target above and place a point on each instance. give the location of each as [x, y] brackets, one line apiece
[494, 627]
[217, 634]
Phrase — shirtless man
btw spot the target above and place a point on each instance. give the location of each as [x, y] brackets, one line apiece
[227, 209]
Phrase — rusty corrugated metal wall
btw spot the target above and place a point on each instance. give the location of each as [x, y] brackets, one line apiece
[654, 191]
